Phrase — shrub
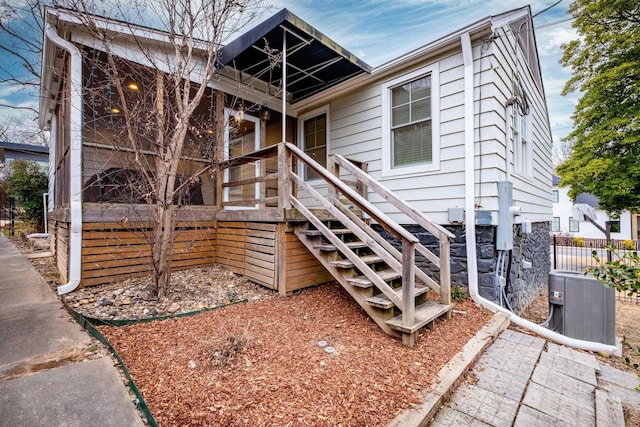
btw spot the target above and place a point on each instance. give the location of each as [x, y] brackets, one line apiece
[628, 245]
[26, 181]
[622, 273]
[578, 241]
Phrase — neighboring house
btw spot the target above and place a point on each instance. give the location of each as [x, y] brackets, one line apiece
[10, 151]
[458, 129]
[625, 226]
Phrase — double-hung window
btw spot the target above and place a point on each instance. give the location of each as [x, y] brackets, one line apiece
[522, 148]
[411, 122]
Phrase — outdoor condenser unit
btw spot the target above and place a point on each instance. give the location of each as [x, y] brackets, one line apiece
[583, 307]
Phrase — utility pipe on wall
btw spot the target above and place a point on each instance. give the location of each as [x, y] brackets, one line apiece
[469, 178]
[75, 159]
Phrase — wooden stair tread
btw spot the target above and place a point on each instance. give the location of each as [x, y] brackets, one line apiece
[350, 245]
[382, 301]
[336, 231]
[345, 263]
[425, 313]
[364, 282]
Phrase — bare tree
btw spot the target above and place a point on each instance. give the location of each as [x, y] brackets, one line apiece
[153, 106]
[21, 47]
[561, 153]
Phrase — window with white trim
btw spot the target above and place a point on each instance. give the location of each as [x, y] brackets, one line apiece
[555, 224]
[521, 135]
[410, 122]
[555, 196]
[574, 226]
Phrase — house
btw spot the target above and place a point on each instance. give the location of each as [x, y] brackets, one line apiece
[429, 171]
[624, 226]
[10, 151]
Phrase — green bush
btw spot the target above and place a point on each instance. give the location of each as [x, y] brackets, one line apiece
[26, 181]
[622, 273]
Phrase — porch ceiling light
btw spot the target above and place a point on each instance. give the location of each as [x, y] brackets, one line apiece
[239, 117]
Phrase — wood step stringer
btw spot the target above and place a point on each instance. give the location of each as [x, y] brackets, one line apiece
[388, 247]
[358, 263]
[381, 317]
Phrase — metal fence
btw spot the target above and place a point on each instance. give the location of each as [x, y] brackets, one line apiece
[576, 254]
[8, 213]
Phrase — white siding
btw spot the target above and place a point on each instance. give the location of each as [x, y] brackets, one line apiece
[356, 133]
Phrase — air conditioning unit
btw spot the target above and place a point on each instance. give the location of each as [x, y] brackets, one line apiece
[583, 308]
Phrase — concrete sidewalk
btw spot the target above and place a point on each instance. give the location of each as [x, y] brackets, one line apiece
[524, 381]
[42, 383]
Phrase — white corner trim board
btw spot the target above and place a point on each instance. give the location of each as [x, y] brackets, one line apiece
[472, 266]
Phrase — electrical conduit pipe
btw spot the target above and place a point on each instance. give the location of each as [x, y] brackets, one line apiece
[75, 159]
[472, 265]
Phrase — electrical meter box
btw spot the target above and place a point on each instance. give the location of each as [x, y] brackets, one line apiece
[583, 308]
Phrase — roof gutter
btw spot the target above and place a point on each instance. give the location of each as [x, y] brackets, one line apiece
[75, 159]
[469, 178]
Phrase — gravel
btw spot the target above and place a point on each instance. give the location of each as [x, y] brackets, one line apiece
[190, 290]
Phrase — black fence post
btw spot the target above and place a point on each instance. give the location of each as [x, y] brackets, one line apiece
[555, 253]
[12, 214]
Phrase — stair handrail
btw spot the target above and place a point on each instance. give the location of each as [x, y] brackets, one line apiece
[388, 195]
[392, 226]
[444, 236]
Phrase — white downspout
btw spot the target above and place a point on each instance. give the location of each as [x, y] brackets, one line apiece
[75, 159]
[469, 178]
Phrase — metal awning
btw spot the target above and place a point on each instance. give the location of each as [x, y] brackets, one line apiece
[314, 62]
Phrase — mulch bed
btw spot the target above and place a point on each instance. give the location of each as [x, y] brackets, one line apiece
[259, 363]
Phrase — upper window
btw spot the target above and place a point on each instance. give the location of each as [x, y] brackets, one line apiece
[410, 122]
[555, 196]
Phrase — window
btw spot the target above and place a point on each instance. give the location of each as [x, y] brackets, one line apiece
[574, 226]
[315, 142]
[410, 122]
[521, 136]
[614, 226]
[554, 196]
[555, 224]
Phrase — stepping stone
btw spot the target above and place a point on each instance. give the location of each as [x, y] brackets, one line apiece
[575, 355]
[609, 411]
[448, 417]
[567, 409]
[528, 417]
[484, 405]
[568, 367]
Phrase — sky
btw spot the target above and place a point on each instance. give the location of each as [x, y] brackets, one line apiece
[380, 30]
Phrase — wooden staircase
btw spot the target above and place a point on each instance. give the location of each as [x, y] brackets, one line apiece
[384, 280]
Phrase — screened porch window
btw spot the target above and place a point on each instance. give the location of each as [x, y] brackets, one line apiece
[411, 132]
